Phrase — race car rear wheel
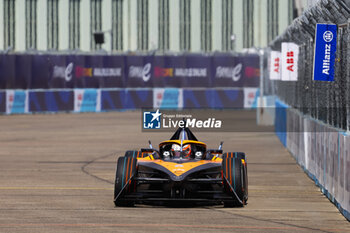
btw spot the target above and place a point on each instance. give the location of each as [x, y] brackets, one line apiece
[234, 176]
[126, 168]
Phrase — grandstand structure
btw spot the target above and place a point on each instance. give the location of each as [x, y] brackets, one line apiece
[142, 25]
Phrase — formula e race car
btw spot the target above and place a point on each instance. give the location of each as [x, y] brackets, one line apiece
[182, 170]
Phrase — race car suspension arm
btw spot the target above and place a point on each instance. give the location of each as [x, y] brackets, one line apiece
[234, 192]
[122, 190]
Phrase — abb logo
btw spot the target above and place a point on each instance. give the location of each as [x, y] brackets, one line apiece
[290, 56]
[276, 65]
[290, 61]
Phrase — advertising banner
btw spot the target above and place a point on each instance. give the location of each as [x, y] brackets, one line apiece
[82, 73]
[290, 130]
[182, 71]
[213, 98]
[227, 99]
[111, 72]
[250, 97]
[51, 101]
[136, 99]
[3, 76]
[289, 60]
[16, 101]
[197, 72]
[235, 71]
[229, 71]
[47, 71]
[275, 65]
[341, 169]
[325, 51]
[24, 78]
[331, 159]
[139, 71]
[8, 71]
[112, 100]
[40, 71]
[251, 69]
[347, 175]
[319, 156]
[281, 121]
[301, 140]
[313, 148]
[86, 71]
[308, 144]
[166, 71]
[60, 72]
[167, 98]
[2, 101]
[87, 100]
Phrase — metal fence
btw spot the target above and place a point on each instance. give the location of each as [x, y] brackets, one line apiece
[325, 101]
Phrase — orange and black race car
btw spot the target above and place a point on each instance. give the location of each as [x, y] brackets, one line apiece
[182, 170]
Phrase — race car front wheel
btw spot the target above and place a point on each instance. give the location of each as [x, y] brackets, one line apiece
[126, 168]
[234, 178]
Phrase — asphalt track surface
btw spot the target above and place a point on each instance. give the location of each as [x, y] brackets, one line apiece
[57, 173]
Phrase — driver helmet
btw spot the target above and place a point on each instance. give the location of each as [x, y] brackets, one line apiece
[175, 149]
[186, 150]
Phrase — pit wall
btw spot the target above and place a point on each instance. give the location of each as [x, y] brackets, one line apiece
[322, 151]
[119, 99]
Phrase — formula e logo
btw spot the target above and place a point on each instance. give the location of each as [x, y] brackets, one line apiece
[151, 120]
[328, 36]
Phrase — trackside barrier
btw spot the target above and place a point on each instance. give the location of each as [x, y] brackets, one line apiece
[61, 71]
[2, 101]
[118, 99]
[280, 121]
[322, 151]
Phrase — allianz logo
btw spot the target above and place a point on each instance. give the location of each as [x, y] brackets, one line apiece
[327, 37]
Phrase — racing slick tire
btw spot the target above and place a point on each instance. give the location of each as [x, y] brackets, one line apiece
[234, 172]
[132, 153]
[240, 155]
[126, 168]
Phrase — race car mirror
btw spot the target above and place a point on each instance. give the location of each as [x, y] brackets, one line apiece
[147, 150]
[211, 151]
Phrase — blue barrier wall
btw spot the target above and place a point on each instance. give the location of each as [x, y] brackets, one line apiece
[322, 151]
[213, 98]
[281, 121]
[51, 101]
[112, 99]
